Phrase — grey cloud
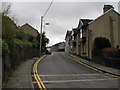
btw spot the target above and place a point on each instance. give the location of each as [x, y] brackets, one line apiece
[69, 10]
[61, 16]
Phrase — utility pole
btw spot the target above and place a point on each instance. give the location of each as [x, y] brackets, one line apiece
[42, 27]
[41, 35]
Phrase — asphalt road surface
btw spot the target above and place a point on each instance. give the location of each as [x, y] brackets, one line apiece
[60, 71]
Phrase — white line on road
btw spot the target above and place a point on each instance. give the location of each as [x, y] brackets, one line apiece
[67, 81]
[68, 75]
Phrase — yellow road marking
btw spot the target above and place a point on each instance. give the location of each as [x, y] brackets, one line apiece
[41, 82]
[91, 67]
[36, 76]
[37, 82]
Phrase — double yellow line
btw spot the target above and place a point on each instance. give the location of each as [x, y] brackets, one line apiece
[92, 67]
[36, 76]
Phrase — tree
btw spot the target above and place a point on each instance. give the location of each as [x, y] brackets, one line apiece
[9, 28]
[6, 9]
[101, 42]
[45, 41]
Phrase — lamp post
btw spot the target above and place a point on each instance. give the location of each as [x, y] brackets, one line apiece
[41, 35]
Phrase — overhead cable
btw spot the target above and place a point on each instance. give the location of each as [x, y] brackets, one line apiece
[48, 8]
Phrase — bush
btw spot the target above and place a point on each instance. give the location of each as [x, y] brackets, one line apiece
[5, 48]
[101, 42]
[27, 37]
[35, 43]
[22, 43]
[21, 35]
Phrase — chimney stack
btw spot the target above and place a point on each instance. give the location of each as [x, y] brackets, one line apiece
[107, 7]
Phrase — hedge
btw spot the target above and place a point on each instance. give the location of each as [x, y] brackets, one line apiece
[5, 47]
[101, 42]
[22, 43]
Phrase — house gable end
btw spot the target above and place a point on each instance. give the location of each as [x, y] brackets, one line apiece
[107, 12]
[29, 29]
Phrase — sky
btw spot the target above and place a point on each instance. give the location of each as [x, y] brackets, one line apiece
[62, 16]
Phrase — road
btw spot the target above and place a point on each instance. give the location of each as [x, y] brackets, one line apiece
[60, 71]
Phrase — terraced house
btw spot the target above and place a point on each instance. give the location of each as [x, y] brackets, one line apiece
[79, 39]
[84, 37]
[68, 41]
[107, 25]
[76, 40]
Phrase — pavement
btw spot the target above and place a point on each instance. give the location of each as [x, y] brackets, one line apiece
[98, 66]
[21, 77]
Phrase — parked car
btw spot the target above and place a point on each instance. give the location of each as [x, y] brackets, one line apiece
[48, 52]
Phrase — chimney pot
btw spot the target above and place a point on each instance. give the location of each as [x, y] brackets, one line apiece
[107, 7]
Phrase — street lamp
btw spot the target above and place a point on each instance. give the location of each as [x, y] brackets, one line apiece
[47, 23]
